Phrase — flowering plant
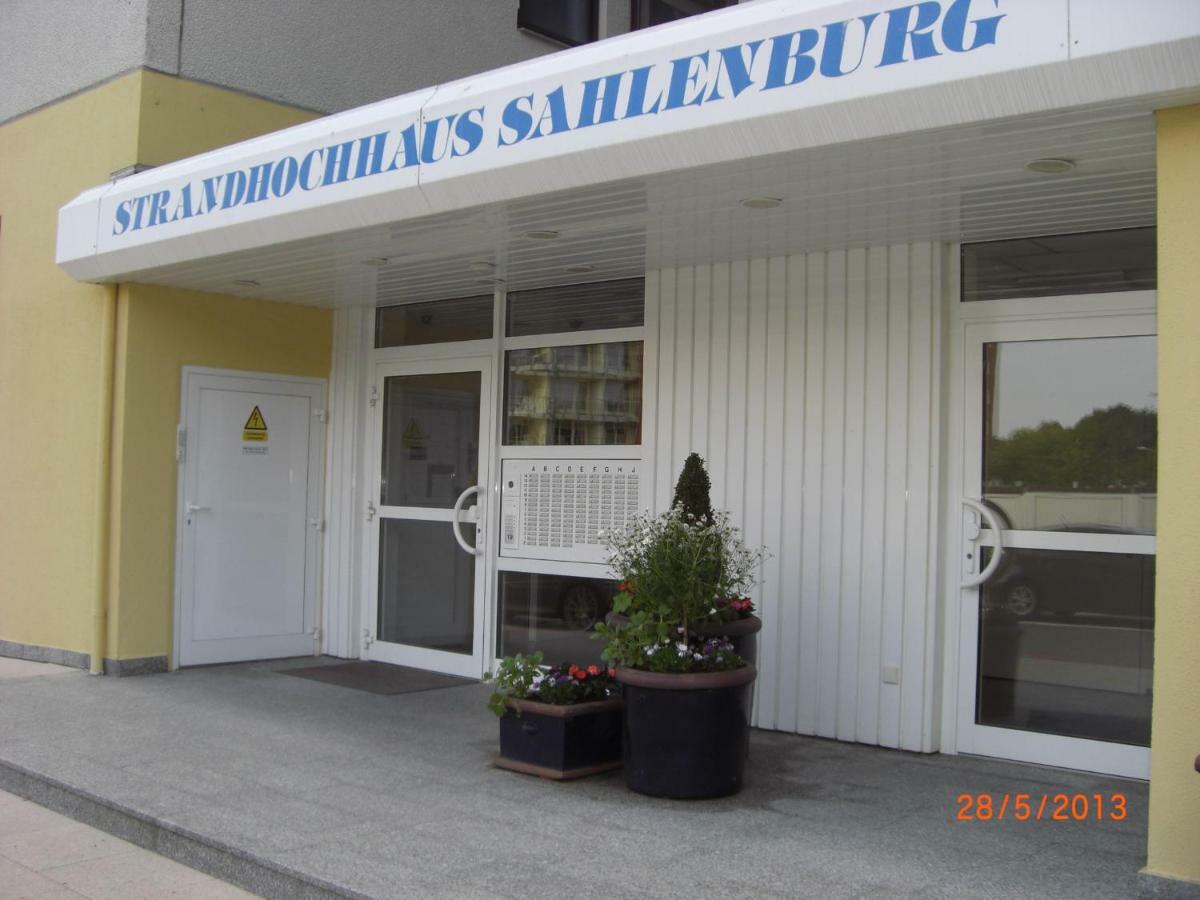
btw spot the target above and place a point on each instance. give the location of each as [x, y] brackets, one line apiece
[712, 655]
[525, 678]
[676, 571]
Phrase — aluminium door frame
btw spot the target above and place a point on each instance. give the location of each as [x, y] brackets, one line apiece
[473, 356]
[314, 539]
[1109, 314]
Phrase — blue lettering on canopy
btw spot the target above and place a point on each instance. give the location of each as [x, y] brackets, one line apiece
[904, 34]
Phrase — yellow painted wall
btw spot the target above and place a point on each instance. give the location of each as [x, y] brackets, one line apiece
[49, 359]
[1174, 843]
[160, 331]
[49, 363]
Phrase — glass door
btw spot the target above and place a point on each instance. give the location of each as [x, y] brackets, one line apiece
[1058, 546]
[431, 452]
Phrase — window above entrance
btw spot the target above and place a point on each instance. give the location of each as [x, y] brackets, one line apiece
[1095, 262]
[439, 322]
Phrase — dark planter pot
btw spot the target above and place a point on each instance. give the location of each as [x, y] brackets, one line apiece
[560, 742]
[743, 633]
[686, 735]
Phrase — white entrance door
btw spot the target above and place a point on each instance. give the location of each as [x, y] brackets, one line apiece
[1057, 544]
[249, 516]
[433, 433]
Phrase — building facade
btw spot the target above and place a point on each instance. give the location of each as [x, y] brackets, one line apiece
[915, 281]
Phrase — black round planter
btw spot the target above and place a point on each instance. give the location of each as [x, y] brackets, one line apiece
[685, 735]
[742, 633]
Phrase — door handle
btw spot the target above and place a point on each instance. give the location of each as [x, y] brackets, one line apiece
[985, 515]
[193, 508]
[458, 504]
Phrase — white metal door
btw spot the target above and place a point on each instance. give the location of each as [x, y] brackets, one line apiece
[1057, 543]
[430, 464]
[250, 448]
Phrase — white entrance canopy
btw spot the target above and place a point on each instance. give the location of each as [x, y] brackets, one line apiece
[872, 121]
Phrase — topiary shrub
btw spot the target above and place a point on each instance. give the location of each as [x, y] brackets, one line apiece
[692, 491]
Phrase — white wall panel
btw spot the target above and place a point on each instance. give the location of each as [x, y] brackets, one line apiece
[810, 385]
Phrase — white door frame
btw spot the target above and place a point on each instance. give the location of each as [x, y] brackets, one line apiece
[315, 504]
[386, 365]
[972, 324]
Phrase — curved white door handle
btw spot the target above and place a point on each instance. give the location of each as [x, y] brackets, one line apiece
[993, 523]
[193, 508]
[458, 504]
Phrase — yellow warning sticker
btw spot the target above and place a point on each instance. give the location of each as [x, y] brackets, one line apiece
[255, 428]
[413, 437]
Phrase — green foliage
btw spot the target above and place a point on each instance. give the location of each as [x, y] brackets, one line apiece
[525, 678]
[514, 677]
[1109, 449]
[692, 491]
[675, 572]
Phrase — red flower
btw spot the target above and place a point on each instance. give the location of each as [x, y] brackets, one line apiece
[593, 670]
[612, 673]
[581, 675]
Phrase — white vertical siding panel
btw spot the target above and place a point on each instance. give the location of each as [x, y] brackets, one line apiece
[852, 494]
[810, 385]
[685, 305]
[818, 611]
[652, 385]
[775, 591]
[896, 493]
[756, 388]
[664, 451]
[917, 590]
[343, 495]
[795, 640]
[870, 648]
[832, 439]
[718, 393]
[739, 330]
[702, 330]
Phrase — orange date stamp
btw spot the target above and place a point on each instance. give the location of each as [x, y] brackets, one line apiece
[1061, 807]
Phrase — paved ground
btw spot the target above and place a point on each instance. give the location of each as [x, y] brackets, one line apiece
[46, 855]
[394, 797]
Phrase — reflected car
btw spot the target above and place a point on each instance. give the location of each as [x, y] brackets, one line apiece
[1061, 584]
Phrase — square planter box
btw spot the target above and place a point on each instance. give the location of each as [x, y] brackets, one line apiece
[560, 742]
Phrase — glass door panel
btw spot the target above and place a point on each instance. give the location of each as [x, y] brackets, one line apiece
[431, 473]
[1061, 449]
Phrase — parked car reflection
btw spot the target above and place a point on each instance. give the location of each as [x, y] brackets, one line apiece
[1064, 584]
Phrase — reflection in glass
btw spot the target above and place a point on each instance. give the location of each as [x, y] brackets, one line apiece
[1066, 644]
[468, 319]
[1060, 264]
[426, 585]
[1070, 434]
[554, 614]
[577, 307]
[430, 438]
[584, 394]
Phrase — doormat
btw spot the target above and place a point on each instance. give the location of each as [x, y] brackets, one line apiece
[379, 678]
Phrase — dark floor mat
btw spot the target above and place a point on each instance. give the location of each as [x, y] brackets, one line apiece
[379, 678]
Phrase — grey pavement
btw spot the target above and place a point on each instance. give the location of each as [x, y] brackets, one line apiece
[291, 787]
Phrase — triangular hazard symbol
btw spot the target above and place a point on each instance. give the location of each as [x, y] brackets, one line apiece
[256, 422]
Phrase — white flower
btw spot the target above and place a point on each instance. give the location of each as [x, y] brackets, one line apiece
[682, 648]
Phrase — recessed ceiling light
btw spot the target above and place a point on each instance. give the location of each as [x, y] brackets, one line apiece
[761, 202]
[247, 282]
[376, 261]
[580, 268]
[541, 235]
[482, 265]
[1050, 166]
